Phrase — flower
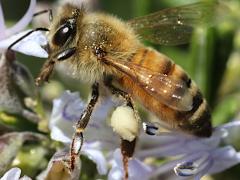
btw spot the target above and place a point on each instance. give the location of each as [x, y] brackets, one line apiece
[66, 111]
[58, 167]
[14, 174]
[194, 156]
[137, 169]
[30, 45]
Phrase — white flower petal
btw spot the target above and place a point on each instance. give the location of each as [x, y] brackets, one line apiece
[233, 129]
[2, 24]
[115, 173]
[224, 158]
[99, 130]
[176, 143]
[30, 45]
[66, 111]
[12, 174]
[24, 21]
[97, 157]
[58, 135]
[230, 125]
[138, 170]
[67, 99]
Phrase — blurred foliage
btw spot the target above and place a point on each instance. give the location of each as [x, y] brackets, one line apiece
[212, 59]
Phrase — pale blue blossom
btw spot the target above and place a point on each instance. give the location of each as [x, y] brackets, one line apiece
[31, 45]
[194, 157]
[14, 174]
[68, 108]
[66, 111]
[137, 169]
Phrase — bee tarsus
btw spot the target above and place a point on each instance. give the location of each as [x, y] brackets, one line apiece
[81, 124]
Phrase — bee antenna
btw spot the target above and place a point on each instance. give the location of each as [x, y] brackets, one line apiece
[43, 12]
[27, 34]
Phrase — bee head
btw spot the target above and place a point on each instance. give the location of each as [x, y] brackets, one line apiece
[63, 32]
[62, 38]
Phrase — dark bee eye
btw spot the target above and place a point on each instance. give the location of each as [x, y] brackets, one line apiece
[63, 34]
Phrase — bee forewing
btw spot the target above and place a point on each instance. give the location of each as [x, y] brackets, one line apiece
[170, 90]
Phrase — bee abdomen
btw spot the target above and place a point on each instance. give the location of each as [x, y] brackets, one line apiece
[197, 121]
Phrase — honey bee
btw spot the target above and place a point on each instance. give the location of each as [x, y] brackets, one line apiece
[105, 51]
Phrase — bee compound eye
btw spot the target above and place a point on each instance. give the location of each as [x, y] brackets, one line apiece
[62, 35]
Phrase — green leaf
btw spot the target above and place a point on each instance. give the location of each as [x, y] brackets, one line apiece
[202, 58]
[226, 109]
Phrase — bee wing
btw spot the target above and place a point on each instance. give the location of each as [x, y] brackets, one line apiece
[174, 26]
[170, 90]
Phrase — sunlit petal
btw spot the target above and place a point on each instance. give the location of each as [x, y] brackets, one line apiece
[30, 45]
[12, 174]
[58, 135]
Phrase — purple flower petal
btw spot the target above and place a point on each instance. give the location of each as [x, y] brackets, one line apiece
[12, 174]
[96, 156]
[2, 24]
[137, 169]
[62, 128]
[194, 166]
[24, 21]
[58, 135]
[224, 158]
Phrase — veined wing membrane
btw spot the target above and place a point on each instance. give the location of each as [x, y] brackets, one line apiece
[170, 90]
[169, 34]
[173, 26]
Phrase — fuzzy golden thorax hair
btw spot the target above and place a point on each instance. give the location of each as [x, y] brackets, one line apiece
[93, 30]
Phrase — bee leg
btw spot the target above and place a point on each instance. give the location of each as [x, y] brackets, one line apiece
[127, 150]
[81, 124]
[127, 147]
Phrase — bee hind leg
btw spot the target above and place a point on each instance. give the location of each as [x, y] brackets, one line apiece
[127, 147]
[77, 140]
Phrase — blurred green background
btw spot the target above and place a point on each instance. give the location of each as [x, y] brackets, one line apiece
[212, 58]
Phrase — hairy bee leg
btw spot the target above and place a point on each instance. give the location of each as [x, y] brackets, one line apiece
[81, 124]
[127, 150]
[127, 147]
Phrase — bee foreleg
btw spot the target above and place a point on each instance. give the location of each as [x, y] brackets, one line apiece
[81, 124]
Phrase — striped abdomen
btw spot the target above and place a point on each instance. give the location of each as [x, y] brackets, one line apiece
[196, 121]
